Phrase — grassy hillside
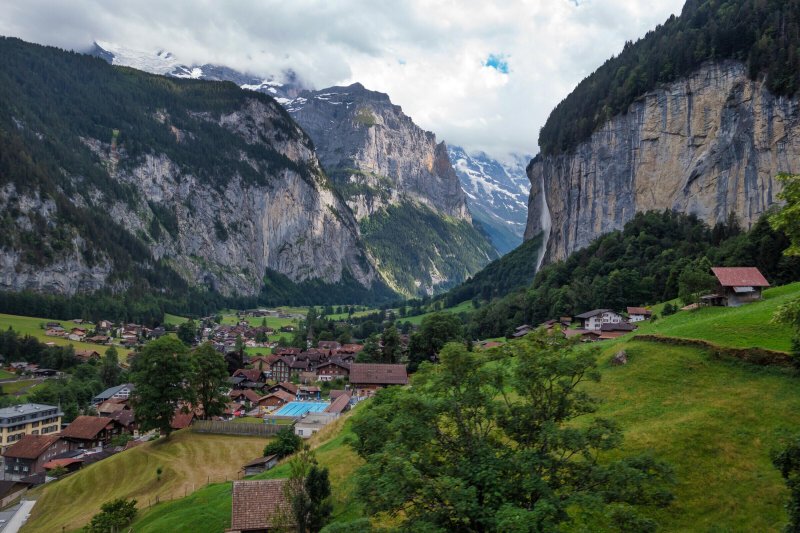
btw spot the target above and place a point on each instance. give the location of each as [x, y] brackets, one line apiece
[27, 325]
[209, 509]
[714, 421]
[189, 461]
[739, 327]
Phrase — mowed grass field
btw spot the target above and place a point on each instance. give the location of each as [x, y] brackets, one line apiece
[463, 307]
[188, 459]
[716, 422]
[739, 327]
[209, 509]
[28, 325]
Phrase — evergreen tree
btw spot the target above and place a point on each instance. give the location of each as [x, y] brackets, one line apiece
[110, 371]
[391, 349]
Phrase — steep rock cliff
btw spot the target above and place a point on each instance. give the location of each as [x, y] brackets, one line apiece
[400, 185]
[709, 144]
[375, 153]
[135, 179]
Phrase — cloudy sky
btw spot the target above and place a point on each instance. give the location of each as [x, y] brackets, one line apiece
[481, 74]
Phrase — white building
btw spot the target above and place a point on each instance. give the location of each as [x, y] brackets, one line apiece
[593, 320]
[638, 314]
[312, 423]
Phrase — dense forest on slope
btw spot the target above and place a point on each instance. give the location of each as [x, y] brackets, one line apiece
[764, 34]
[636, 266]
[515, 269]
[416, 243]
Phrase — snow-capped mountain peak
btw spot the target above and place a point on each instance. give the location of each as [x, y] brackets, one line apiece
[497, 193]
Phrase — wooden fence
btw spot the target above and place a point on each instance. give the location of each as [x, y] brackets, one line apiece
[236, 428]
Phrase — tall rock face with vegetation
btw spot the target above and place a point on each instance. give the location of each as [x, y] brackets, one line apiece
[400, 185]
[699, 116]
[113, 178]
[709, 144]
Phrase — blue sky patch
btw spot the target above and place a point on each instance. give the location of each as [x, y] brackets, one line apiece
[499, 62]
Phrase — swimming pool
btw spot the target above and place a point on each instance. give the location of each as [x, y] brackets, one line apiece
[301, 408]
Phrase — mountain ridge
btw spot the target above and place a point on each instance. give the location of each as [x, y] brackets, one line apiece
[109, 188]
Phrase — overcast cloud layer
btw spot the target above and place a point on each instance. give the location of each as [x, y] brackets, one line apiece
[480, 75]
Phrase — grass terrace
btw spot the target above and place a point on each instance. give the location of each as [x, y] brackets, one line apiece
[32, 326]
[739, 327]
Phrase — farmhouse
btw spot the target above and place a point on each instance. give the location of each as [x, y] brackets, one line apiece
[332, 369]
[593, 320]
[614, 330]
[90, 432]
[638, 314]
[366, 378]
[28, 455]
[275, 399]
[737, 286]
[259, 506]
[87, 355]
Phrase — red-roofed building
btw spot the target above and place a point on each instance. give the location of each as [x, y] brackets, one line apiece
[90, 432]
[638, 314]
[331, 370]
[260, 506]
[181, 419]
[339, 405]
[275, 399]
[366, 378]
[28, 455]
[737, 286]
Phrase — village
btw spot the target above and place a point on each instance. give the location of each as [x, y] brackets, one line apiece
[300, 389]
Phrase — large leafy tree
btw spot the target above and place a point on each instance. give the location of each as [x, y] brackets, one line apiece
[285, 443]
[115, 515]
[435, 331]
[391, 348]
[187, 332]
[161, 375]
[788, 221]
[209, 375]
[502, 442]
[307, 491]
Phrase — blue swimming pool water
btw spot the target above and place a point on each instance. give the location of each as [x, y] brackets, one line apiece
[301, 408]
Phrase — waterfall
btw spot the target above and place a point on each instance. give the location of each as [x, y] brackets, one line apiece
[545, 222]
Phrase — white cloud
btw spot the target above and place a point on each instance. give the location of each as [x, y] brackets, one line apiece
[428, 55]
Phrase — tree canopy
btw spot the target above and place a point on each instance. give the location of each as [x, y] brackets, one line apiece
[159, 374]
[502, 441]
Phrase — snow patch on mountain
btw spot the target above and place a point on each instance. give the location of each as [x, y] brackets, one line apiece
[497, 193]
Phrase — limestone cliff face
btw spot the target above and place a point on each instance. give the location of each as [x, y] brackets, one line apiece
[400, 185]
[708, 144]
[224, 231]
[375, 153]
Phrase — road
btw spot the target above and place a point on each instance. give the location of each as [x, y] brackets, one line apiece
[23, 512]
